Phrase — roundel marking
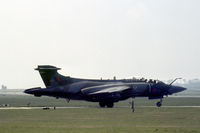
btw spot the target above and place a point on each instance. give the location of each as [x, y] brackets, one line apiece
[154, 90]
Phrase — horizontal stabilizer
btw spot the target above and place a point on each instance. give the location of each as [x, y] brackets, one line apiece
[47, 67]
[50, 76]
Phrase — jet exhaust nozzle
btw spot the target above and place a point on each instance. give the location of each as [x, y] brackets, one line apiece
[32, 90]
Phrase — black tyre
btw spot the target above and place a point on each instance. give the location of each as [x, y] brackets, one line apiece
[159, 104]
[110, 105]
[102, 105]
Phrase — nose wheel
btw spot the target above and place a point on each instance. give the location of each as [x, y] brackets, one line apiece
[159, 104]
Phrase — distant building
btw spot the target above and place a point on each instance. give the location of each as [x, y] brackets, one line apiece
[3, 87]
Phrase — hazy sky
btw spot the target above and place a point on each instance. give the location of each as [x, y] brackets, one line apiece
[157, 39]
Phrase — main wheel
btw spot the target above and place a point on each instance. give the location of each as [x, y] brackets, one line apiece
[102, 105]
[110, 105]
[159, 104]
[37, 95]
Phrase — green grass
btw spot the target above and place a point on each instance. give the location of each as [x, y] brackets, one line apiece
[86, 120]
[99, 120]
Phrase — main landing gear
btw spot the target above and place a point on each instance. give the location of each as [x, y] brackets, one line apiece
[159, 103]
[108, 104]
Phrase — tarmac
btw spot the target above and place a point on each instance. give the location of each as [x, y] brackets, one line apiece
[47, 108]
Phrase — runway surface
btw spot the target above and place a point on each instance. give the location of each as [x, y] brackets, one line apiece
[46, 108]
[41, 107]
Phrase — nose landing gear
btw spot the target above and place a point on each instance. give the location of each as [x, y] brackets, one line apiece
[159, 103]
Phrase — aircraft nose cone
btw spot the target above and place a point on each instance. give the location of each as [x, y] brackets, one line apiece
[176, 89]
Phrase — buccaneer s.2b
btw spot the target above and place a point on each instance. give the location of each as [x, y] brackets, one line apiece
[106, 92]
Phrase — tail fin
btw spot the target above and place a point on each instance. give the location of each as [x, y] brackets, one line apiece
[50, 76]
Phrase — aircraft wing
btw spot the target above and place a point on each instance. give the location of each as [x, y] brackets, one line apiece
[111, 90]
[105, 89]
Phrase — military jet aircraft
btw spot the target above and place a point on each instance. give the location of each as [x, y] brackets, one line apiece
[106, 92]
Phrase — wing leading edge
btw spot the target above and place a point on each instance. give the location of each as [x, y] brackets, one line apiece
[111, 90]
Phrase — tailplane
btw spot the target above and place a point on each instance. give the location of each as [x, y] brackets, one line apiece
[51, 77]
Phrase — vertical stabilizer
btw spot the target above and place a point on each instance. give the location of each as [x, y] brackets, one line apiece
[50, 76]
